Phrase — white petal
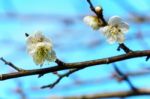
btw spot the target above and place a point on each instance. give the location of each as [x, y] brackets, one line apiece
[92, 21]
[38, 60]
[111, 40]
[31, 49]
[87, 19]
[29, 40]
[104, 29]
[114, 20]
[124, 27]
[120, 38]
[51, 56]
[38, 34]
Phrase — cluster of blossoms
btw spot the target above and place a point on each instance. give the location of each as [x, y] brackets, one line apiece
[114, 31]
[40, 48]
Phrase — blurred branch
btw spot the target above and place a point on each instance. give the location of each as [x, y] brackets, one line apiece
[125, 77]
[112, 94]
[76, 65]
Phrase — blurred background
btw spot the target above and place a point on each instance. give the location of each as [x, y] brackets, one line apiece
[73, 41]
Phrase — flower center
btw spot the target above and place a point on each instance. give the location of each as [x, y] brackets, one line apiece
[114, 30]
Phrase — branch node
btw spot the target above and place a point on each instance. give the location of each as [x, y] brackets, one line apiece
[59, 62]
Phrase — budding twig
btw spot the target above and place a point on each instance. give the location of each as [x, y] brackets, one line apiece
[99, 14]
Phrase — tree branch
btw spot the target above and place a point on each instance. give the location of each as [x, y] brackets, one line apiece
[112, 94]
[76, 65]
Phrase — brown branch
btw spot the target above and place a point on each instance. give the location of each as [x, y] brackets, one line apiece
[124, 48]
[130, 93]
[76, 65]
[59, 62]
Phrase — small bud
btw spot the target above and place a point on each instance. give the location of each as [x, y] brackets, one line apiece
[98, 9]
[92, 21]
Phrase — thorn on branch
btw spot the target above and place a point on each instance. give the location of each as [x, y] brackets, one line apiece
[60, 77]
[12, 65]
[124, 48]
[125, 77]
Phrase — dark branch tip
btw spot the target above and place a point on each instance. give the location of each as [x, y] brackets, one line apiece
[147, 58]
[26, 34]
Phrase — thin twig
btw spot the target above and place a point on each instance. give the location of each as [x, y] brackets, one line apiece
[60, 77]
[11, 65]
[124, 48]
[99, 15]
[125, 77]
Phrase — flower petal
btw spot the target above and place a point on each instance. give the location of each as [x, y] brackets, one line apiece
[120, 38]
[104, 30]
[114, 20]
[51, 56]
[38, 60]
[111, 40]
[92, 21]
[124, 27]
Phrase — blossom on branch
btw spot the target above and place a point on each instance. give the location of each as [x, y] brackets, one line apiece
[115, 30]
[93, 22]
[40, 48]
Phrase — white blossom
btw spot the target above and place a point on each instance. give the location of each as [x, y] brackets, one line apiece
[40, 48]
[92, 21]
[115, 30]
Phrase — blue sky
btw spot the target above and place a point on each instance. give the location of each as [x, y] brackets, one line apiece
[74, 41]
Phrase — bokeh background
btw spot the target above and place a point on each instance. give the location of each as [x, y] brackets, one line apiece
[73, 41]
